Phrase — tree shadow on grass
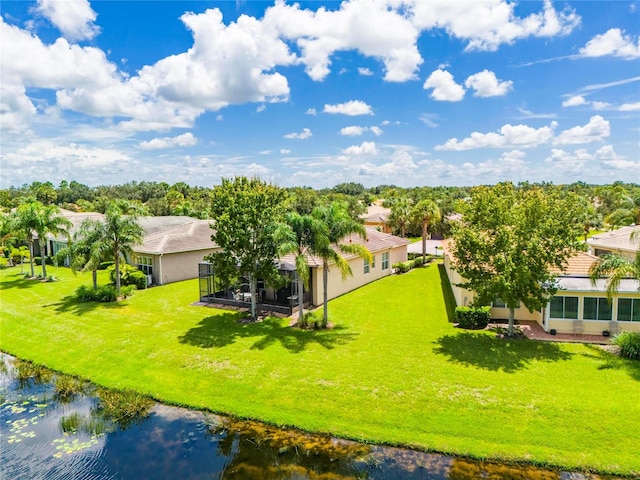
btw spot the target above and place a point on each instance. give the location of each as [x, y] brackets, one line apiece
[485, 351]
[221, 330]
[447, 292]
[613, 362]
[20, 282]
[70, 304]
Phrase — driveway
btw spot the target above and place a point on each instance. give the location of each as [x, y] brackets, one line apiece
[416, 247]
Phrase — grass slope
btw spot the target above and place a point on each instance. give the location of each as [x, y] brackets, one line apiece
[394, 370]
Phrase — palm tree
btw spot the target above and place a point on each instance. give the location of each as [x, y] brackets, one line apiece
[24, 221]
[616, 268]
[425, 213]
[49, 222]
[400, 215]
[120, 233]
[299, 236]
[339, 224]
[88, 249]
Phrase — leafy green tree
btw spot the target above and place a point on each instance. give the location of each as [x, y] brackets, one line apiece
[400, 215]
[21, 252]
[120, 233]
[48, 221]
[510, 241]
[339, 225]
[299, 235]
[425, 213]
[246, 213]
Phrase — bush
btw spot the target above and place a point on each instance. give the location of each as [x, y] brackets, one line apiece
[105, 265]
[629, 344]
[47, 260]
[128, 276]
[472, 317]
[402, 267]
[104, 294]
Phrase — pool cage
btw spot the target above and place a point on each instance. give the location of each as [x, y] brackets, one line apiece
[283, 300]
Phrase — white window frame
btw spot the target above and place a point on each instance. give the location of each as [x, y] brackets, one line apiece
[367, 267]
[385, 260]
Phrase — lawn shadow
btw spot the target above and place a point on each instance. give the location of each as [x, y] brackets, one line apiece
[20, 281]
[611, 361]
[70, 304]
[221, 330]
[491, 353]
[447, 293]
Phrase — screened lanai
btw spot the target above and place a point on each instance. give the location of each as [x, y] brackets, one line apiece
[279, 299]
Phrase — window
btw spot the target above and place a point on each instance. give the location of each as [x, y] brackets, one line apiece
[366, 266]
[373, 261]
[629, 309]
[596, 308]
[499, 303]
[564, 307]
[145, 264]
[385, 261]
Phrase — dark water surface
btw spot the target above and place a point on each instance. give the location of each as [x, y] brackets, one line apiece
[56, 427]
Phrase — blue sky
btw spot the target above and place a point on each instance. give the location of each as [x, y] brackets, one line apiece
[404, 92]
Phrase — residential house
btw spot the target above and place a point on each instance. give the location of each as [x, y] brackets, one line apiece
[170, 251]
[377, 217]
[386, 250]
[578, 306]
[616, 241]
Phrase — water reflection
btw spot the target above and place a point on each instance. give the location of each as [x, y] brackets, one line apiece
[54, 426]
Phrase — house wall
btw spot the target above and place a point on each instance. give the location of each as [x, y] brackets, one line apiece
[592, 327]
[601, 251]
[380, 226]
[337, 286]
[174, 267]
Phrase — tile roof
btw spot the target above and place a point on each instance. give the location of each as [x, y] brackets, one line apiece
[617, 239]
[187, 236]
[376, 242]
[376, 214]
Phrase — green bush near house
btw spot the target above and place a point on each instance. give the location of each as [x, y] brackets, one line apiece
[473, 317]
[129, 275]
[629, 344]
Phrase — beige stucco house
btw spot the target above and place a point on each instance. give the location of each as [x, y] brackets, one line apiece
[171, 249]
[616, 241]
[578, 306]
[377, 217]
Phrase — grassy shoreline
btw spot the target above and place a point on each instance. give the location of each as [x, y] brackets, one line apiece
[393, 371]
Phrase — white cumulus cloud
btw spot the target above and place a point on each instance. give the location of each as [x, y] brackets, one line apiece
[445, 89]
[184, 140]
[74, 18]
[596, 129]
[303, 135]
[629, 107]
[614, 43]
[575, 101]
[351, 108]
[486, 84]
[366, 72]
[367, 148]
[352, 130]
[509, 136]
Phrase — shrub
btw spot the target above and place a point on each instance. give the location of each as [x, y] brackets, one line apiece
[629, 344]
[105, 265]
[128, 276]
[401, 267]
[47, 260]
[472, 317]
[104, 294]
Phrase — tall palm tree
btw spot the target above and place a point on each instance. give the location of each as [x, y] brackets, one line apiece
[120, 233]
[299, 236]
[425, 213]
[339, 224]
[400, 215]
[48, 221]
[24, 222]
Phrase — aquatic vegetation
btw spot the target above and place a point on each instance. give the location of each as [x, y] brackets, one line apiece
[123, 407]
[68, 387]
[27, 371]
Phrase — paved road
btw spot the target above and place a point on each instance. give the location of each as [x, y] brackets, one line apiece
[416, 247]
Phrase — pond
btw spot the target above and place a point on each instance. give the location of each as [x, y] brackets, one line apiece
[53, 426]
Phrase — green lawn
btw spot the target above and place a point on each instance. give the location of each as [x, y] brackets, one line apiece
[394, 370]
